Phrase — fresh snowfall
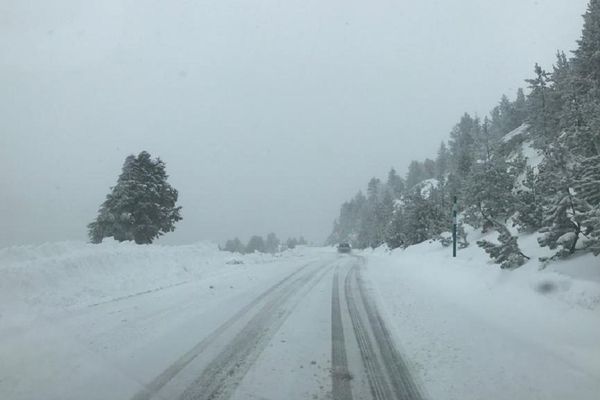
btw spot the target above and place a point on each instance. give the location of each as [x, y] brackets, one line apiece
[122, 321]
[383, 310]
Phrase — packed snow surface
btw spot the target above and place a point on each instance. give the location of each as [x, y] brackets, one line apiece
[106, 321]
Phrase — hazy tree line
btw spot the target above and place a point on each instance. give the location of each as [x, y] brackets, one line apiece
[487, 171]
[270, 244]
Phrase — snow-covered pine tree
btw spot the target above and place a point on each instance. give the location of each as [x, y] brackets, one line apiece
[587, 188]
[519, 109]
[462, 144]
[539, 117]
[429, 168]
[394, 236]
[592, 222]
[488, 194]
[384, 210]
[423, 219]
[291, 243]
[442, 161]
[529, 216]
[141, 206]
[415, 174]
[348, 225]
[507, 115]
[507, 253]
[256, 243]
[564, 210]
[587, 55]
[234, 246]
[490, 202]
[586, 68]
[272, 243]
[395, 184]
[238, 246]
[370, 233]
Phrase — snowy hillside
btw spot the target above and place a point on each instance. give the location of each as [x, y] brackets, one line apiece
[475, 331]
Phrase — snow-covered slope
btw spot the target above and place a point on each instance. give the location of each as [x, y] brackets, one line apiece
[51, 276]
[520, 131]
[476, 331]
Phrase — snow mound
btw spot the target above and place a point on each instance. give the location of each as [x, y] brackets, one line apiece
[74, 274]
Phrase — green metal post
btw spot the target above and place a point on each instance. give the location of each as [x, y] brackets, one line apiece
[454, 227]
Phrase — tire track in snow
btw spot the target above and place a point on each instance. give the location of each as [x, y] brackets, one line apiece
[398, 371]
[222, 375]
[379, 389]
[151, 389]
[387, 373]
[340, 375]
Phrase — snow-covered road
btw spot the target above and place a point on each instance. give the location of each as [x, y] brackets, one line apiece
[118, 321]
[302, 328]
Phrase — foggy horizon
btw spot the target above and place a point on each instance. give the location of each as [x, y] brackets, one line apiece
[268, 117]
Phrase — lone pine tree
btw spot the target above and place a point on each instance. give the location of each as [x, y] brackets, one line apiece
[141, 206]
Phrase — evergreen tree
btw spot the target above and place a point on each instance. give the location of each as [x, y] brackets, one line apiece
[415, 174]
[370, 232]
[564, 211]
[539, 111]
[587, 55]
[272, 243]
[384, 209]
[586, 67]
[587, 188]
[529, 215]
[350, 221]
[463, 145]
[507, 252]
[394, 236]
[592, 222]
[256, 243]
[141, 206]
[423, 219]
[519, 109]
[429, 169]
[291, 243]
[507, 116]
[488, 194]
[228, 246]
[395, 183]
[442, 162]
[235, 246]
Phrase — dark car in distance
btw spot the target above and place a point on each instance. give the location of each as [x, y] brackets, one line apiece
[344, 248]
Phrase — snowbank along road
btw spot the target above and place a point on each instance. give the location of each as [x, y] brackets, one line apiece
[304, 329]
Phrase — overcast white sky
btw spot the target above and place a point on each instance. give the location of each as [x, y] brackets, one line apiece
[269, 114]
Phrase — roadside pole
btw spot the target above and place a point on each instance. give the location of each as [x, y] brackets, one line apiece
[454, 226]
